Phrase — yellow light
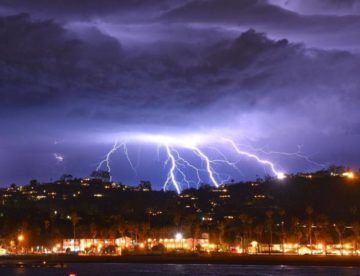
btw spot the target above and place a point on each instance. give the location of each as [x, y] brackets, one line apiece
[20, 238]
[346, 252]
[254, 243]
[349, 175]
[304, 251]
[178, 236]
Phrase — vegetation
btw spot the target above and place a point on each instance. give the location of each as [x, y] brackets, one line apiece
[304, 208]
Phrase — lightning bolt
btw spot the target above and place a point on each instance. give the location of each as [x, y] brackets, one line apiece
[202, 167]
[106, 160]
[278, 174]
[59, 157]
[298, 154]
[171, 175]
[126, 152]
[225, 160]
[186, 164]
[208, 164]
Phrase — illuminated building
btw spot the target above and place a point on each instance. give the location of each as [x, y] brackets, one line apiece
[185, 244]
[95, 246]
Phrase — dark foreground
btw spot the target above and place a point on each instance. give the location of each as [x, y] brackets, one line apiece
[61, 260]
[140, 269]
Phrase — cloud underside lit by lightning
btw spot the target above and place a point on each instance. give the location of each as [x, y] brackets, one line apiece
[201, 166]
[58, 157]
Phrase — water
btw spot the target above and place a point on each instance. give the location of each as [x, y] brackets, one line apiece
[88, 269]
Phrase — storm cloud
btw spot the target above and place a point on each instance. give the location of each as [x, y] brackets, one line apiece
[268, 72]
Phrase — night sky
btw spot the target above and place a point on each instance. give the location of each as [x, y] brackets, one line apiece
[276, 75]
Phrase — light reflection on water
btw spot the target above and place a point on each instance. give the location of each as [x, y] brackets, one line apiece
[179, 269]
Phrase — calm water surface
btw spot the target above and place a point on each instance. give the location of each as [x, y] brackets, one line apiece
[180, 269]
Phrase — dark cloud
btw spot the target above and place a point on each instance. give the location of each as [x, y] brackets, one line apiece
[89, 75]
[247, 11]
[278, 18]
[92, 62]
[248, 68]
[273, 18]
[87, 9]
[335, 7]
[41, 61]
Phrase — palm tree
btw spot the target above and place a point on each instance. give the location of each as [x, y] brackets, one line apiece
[322, 230]
[355, 227]
[258, 231]
[74, 220]
[340, 229]
[93, 230]
[178, 220]
[282, 216]
[296, 233]
[309, 211]
[269, 224]
[246, 222]
[46, 230]
[194, 228]
[221, 232]
[131, 229]
[141, 230]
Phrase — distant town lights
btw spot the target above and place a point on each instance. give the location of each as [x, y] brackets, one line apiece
[349, 175]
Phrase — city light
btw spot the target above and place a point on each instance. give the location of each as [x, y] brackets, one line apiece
[178, 236]
[349, 175]
[202, 205]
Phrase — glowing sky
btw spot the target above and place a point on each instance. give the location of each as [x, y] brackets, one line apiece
[274, 75]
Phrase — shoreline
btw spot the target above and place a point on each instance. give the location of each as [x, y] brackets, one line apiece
[293, 260]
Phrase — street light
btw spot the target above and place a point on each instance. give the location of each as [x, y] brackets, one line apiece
[178, 236]
[20, 238]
